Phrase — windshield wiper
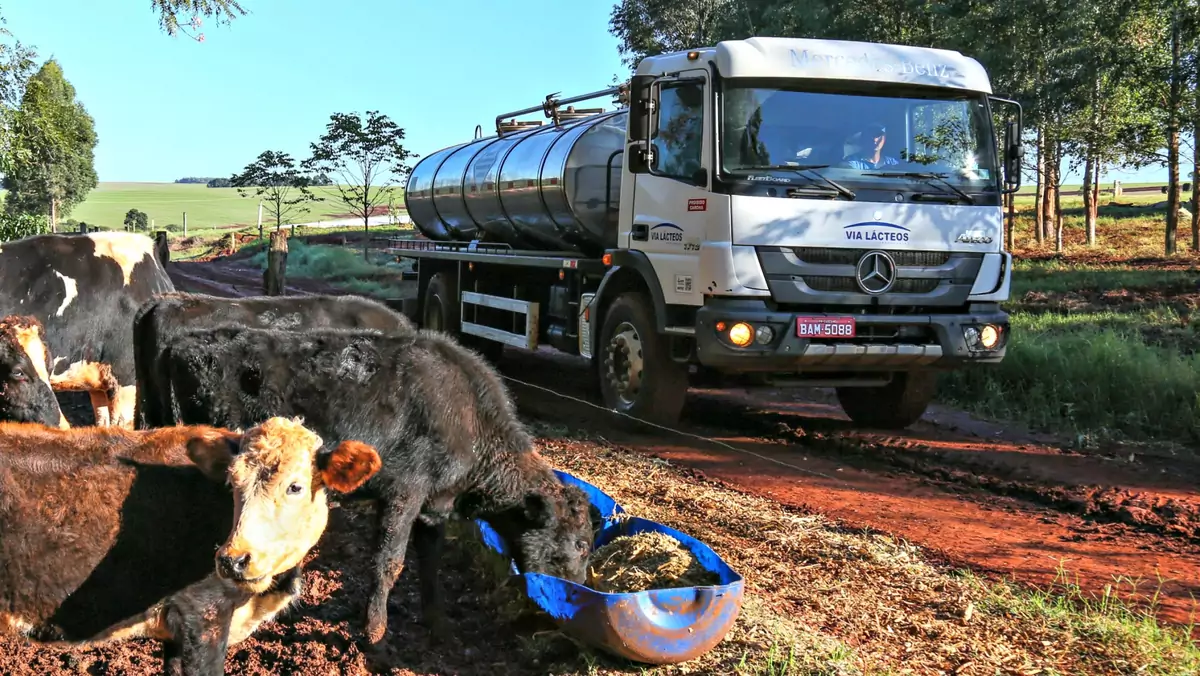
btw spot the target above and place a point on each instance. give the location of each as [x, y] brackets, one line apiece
[841, 189]
[927, 175]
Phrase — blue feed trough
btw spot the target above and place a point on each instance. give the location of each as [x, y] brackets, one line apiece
[656, 626]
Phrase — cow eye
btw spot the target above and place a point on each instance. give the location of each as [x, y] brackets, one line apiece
[581, 545]
[294, 489]
[18, 375]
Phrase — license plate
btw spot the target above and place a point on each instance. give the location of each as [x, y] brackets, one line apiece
[825, 327]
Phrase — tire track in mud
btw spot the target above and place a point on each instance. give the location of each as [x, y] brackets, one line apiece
[1006, 506]
[1175, 514]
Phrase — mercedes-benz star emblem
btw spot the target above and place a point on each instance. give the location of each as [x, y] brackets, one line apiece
[875, 272]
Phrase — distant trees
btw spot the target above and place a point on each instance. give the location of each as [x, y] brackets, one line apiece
[1105, 84]
[220, 183]
[136, 221]
[276, 178]
[365, 154]
[51, 166]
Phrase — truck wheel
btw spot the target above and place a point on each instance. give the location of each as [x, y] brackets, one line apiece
[441, 312]
[637, 376]
[894, 406]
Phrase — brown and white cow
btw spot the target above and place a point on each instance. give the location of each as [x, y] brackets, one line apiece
[25, 392]
[108, 534]
[85, 290]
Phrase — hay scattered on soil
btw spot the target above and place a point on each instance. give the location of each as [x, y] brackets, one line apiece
[823, 599]
[649, 560]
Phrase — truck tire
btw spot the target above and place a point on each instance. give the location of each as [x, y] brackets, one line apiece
[894, 406]
[633, 363]
[440, 311]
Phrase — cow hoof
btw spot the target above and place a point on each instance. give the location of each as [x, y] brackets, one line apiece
[376, 622]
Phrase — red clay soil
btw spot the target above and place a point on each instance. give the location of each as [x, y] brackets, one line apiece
[1001, 501]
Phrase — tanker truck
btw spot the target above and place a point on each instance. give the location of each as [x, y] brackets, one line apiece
[763, 212]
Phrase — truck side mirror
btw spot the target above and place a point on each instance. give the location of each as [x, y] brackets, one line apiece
[1013, 152]
[641, 97]
[1013, 148]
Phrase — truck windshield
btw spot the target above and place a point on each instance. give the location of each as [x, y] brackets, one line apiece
[861, 139]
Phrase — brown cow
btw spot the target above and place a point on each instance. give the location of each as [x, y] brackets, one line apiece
[97, 525]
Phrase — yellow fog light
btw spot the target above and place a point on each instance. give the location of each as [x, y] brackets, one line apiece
[989, 336]
[741, 334]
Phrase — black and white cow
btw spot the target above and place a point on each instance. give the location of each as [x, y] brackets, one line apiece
[85, 290]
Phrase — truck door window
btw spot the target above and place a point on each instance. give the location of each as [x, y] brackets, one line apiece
[678, 140]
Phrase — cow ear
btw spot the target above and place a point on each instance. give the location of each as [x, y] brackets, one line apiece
[213, 454]
[537, 509]
[348, 466]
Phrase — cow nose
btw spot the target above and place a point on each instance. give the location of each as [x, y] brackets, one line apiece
[234, 566]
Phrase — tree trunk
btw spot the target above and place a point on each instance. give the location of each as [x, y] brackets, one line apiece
[366, 232]
[1058, 219]
[1039, 197]
[53, 214]
[1051, 194]
[1196, 171]
[1173, 140]
[1089, 198]
[275, 276]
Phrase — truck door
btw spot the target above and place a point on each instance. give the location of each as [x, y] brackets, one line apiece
[671, 202]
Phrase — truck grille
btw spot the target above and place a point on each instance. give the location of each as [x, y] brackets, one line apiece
[851, 256]
[847, 284]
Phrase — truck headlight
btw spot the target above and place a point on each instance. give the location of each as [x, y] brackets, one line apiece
[741, 334]
[983, 338]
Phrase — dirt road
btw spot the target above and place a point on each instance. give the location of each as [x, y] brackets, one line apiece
[1002, 501]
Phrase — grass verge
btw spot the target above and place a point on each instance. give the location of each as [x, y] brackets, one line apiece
[341, 266]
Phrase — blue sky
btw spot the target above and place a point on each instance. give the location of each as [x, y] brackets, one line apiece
[172, 107]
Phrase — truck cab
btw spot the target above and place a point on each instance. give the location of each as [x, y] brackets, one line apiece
[821, 213]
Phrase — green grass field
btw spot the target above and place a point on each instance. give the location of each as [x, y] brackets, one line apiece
[207, 208]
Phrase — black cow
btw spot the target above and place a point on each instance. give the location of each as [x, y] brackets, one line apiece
[85, 290]
[444, 425]
[25, 393]
[159, 320]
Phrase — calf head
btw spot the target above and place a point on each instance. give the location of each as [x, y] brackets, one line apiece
[279, 477]
[551, 531]
[25, 393]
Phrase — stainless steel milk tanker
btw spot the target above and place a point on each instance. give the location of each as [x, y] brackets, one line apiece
[552, 187]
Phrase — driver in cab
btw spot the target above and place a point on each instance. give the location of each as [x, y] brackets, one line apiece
[871, 140]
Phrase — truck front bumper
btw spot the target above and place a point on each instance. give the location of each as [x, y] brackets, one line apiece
[884, 342]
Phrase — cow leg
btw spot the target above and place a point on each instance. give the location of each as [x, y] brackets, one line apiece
[124, 402]
[395, 526]
[100, 407]
[429, 535]
[203, 639]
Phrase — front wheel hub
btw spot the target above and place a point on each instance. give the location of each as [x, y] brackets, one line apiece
[623, 363]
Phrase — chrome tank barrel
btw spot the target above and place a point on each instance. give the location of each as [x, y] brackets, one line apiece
[554, 187]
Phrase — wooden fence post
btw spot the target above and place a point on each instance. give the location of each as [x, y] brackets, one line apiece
[274, 277]
[162, 248]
